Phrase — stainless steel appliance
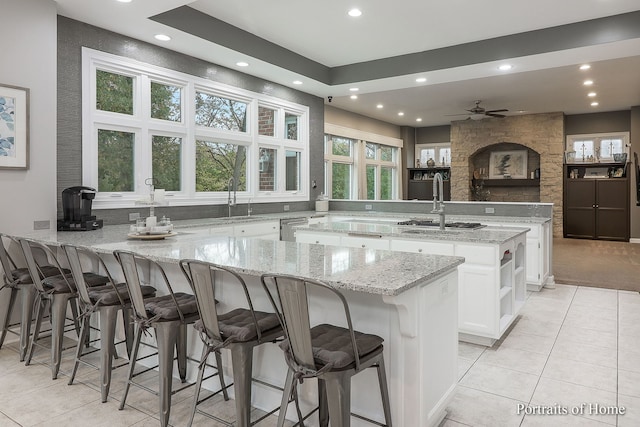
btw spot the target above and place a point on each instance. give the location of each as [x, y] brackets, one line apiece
[76, 210]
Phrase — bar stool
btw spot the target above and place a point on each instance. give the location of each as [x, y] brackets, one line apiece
[53, 293]
[18, 281]
[105, 300]
[168, 315]
[332, 354]
[239, 330]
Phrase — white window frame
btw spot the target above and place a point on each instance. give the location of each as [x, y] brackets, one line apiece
[597, 139]
[144, 127]
[358, 160]
[437, 147]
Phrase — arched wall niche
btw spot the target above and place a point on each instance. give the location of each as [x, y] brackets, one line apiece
[541, 133]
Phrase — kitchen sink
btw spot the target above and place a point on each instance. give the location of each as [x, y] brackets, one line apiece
[448, 225]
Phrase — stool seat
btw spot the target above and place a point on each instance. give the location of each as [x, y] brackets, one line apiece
[107, 295]
[238, 325]
[164, 308]
[66, 283]
[21, 276]
[331, 345]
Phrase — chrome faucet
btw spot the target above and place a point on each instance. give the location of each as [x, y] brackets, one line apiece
[231, 202]
[438, 198]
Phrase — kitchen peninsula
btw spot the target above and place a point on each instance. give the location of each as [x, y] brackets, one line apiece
[410, 300]
[492, 281]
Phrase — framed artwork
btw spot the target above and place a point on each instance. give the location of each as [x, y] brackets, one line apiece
[508, 164]
[14, 127]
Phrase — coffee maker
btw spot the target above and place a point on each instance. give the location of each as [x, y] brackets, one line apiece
[76, 208]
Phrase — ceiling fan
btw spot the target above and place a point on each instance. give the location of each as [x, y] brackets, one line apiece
[479, 113]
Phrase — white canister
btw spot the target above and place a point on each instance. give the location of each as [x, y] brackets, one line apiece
[322, 205]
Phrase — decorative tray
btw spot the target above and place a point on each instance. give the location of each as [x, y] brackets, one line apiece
[145, 236]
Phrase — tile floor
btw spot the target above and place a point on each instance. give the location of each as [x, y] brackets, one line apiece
[571, 346]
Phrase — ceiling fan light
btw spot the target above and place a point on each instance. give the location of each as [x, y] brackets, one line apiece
[477, 116]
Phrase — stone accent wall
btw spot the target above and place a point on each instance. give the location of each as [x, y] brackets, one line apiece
[543, 133]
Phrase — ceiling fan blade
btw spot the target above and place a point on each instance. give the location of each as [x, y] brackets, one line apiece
[489, 113]
[461, 114]
[503, 110]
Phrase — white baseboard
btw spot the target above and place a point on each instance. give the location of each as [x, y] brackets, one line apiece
[632, 240]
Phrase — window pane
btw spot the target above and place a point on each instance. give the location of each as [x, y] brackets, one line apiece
[220, 113]
[371, 182]
[267, 169]
[216, 162]
[386, 154]
[386, 183]
[166, 154]
[341, 146]
[426, 154]
[293, 170]
[583, 149]
[115, 160]
[445, 156]
[341, 180]
[610, 146]
[166, 102]
[370, 150]
[291, 126]
[114, 92]
[266, 121]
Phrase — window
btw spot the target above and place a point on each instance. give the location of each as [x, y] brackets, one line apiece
[440, 153]
[597, 147]
[188, 133]
[361, 166]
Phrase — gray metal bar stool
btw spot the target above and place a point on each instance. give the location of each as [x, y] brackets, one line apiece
[18, 281]
[168, 315]
[332, 354]
[107, 301]
[53, 293]
[239, 330]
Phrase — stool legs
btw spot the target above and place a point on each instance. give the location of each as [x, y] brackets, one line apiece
[167, 338]
[339, 398]
[13, 293]
[28, 297]
[242, 361]
[384, 391]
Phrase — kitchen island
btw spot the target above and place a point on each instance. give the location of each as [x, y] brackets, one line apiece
[410, 300]
[492, 281]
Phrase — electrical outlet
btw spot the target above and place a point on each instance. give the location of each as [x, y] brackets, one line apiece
[367, 207]
[286, 208]
[133, 216]
[41, 225]
[489, 210]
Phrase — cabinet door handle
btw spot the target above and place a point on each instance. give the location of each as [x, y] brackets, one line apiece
[419, 250]
[363, 246]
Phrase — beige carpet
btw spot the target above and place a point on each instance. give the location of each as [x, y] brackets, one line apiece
[598, 263]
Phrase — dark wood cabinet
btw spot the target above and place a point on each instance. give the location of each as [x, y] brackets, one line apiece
[596, 201]
[421, 183]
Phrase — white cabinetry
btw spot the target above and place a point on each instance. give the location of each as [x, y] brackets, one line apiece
[262, 229]
[538, 252]
[365, 241]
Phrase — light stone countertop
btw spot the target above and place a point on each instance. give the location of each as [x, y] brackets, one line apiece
[362, 270]
[485, 235]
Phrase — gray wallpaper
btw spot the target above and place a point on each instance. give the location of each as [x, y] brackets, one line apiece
[73, 35]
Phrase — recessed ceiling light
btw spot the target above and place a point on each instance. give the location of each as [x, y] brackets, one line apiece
[379, 106]
[591, 94]
[297, 82]
[585, 67]
[522, 111]
[162, 37]
[242, 64]
[354, 89]
[505, 67]
[124, 1]
[421, 79]
[354, 97]
[400, 113]
[588, 82]
[594, 104]
[355, 12]
[418, 119]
